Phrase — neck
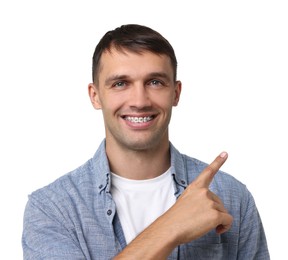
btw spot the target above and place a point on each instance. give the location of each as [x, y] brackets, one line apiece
[138, 164]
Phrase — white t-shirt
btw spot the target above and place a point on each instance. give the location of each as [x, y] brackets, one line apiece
[140, 202]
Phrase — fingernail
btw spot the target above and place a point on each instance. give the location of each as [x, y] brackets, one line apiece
[223, 155]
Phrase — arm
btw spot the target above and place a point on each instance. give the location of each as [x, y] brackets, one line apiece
[252, 239]
[44, 237]
[176, 226]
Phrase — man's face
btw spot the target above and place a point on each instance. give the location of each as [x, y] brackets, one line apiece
[136, 93]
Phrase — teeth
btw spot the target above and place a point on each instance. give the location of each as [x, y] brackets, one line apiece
[135, 119]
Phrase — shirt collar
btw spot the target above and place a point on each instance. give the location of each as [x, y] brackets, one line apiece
[101, 168]
[178, 167]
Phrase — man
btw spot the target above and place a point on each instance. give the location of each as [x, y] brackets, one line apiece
[138, 197]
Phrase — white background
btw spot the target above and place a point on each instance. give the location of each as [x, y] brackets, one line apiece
[233, 63]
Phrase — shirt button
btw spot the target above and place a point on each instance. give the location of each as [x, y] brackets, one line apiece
[100, 186]
[109, 212]
[183, 182]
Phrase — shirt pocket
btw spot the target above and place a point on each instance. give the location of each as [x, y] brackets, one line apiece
[207, 251]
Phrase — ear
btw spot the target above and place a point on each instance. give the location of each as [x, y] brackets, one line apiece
[94, 96]
[178, 88]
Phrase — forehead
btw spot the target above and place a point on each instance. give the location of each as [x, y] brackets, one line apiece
[125, 62]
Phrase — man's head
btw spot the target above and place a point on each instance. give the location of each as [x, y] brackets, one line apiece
[133, 38]
[135, 86]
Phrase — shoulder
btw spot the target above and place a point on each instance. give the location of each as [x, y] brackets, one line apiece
[222, 181]
[224, 184]
[187, 167]
[80, 182]
[67, 187]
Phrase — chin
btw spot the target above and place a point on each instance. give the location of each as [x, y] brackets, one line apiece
[142, 145]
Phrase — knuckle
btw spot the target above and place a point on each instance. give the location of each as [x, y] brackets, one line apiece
[204, 192]
[216, 215]
[210, 169]
[211, 204]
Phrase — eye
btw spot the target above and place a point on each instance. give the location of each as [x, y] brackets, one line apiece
[155, 83]
[119, 84]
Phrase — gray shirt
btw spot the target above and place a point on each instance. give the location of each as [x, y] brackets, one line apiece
[75, 217]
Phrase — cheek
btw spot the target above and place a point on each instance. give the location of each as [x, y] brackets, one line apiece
[165, 101]
[111, 103]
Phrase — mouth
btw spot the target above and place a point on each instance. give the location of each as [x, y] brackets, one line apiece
[138, 119]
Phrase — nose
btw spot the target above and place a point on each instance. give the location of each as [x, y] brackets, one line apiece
[140, 97]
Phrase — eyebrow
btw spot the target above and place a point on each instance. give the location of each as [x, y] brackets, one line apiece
[162, 75]
[116, 77]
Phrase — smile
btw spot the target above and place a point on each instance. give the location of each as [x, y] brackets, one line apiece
[135, 119]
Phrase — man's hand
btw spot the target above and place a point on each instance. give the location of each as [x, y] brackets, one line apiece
[196, 212]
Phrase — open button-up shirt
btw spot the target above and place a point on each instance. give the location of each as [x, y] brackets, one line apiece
[75, 217]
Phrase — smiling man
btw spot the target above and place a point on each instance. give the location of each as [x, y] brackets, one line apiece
[136, 92]
[139, 197]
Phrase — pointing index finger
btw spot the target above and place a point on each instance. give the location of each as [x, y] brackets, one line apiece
[206, 176]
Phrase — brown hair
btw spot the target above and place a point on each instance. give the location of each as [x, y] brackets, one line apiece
[135, 38]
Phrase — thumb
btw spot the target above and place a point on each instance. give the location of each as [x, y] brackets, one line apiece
[206, 176]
